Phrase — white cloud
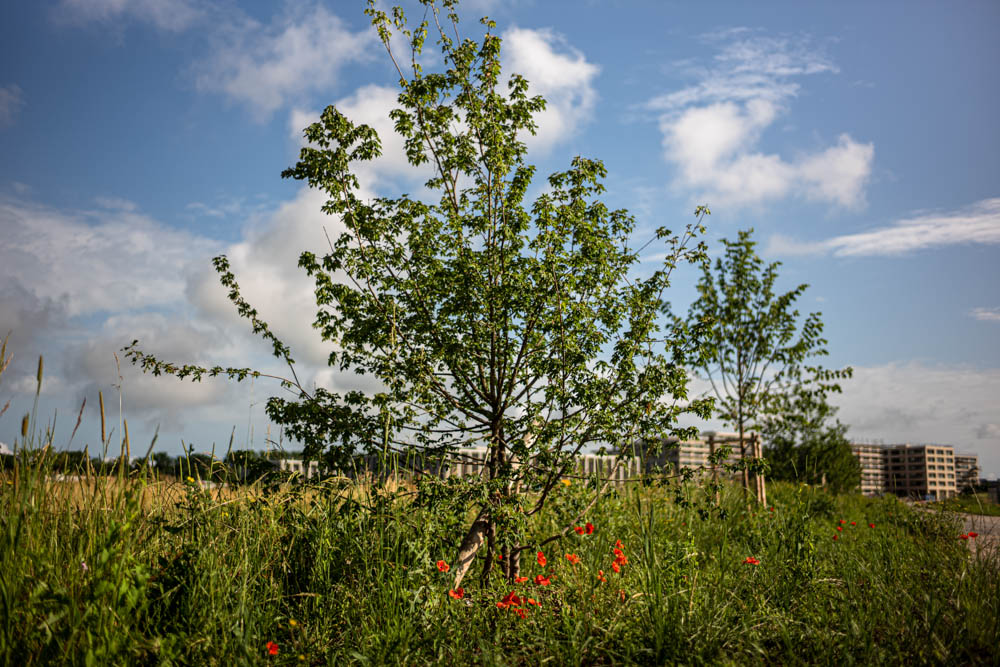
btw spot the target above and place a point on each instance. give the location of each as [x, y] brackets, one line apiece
[917, 403]
[265, 263]
[11, 101]
[269, 66]
[559, 73]
[109, 259]
[986, 314]
[712, 129]
[978, 223]
[174, 15]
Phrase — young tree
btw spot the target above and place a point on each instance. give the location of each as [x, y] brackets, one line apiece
[485, 321]
[756, 349]
[806, 443]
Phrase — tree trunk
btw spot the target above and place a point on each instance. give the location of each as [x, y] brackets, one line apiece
[470, 546]
[760, 483]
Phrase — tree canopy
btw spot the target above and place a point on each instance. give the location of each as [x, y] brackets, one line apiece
[486, 321]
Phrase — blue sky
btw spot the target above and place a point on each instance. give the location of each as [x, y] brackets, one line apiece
[142, 137]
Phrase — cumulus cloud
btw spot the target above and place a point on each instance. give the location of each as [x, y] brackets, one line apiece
[559, 73]
[916, 402]
[172, 15]
[268, 66]
[11, 101]
[978, 223]
[712, 129]
[111, 258]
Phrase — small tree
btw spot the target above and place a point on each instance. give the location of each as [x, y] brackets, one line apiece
[485, 321]
[806, 443]
[755, 350]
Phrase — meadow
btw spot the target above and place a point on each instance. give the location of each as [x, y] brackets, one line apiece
[137, 570]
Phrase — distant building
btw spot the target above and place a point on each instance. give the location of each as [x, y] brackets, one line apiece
[694, 454]
[966, 471]
[873, 461]
[918, 471]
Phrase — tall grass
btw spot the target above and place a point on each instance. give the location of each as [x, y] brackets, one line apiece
[133, 569]
[136, 571]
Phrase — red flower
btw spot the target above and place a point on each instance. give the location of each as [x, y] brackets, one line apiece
[443, 566]
[579, 530]
[532, 601]
[590, 528]
[573, 558]
[973, 535]
[853, 524]
[600, 576]
[770, 509]
[839, 529]
[619, 544]
[871, 525]
[963, 537]
[750, 560]
[509, 600]
[616, 567]
[458, 593]
[542, 580]
[519, 612]
[834, 538]
[272, 648]
[842, 522]
[541, 559]
[520, 580]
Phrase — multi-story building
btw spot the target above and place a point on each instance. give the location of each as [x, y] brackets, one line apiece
[966, 471]
[872, 459]
[921, 471]
[694, 454]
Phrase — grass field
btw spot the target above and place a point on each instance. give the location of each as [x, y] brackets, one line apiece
[129, 572]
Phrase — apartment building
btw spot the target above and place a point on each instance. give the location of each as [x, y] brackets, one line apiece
[966, 471]
[872, 459]
[918, 471]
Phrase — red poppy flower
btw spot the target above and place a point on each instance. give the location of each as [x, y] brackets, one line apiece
[520, 580]
[616, 567]
[542, 580]
[973, 535]
[871, 525]
[770, 509]
[443, 566]
[541, 559]
[520, 612]
[834, 538]
[619, 544]
[579, 530]
[458, 593]
[963, 537]
[853, 524]
[272, 648]
[532, 601]
[513, 599]
[750, 560]
[839, 529]
[590, 528]
[573, 558]
[600, 575]
[842, 522]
